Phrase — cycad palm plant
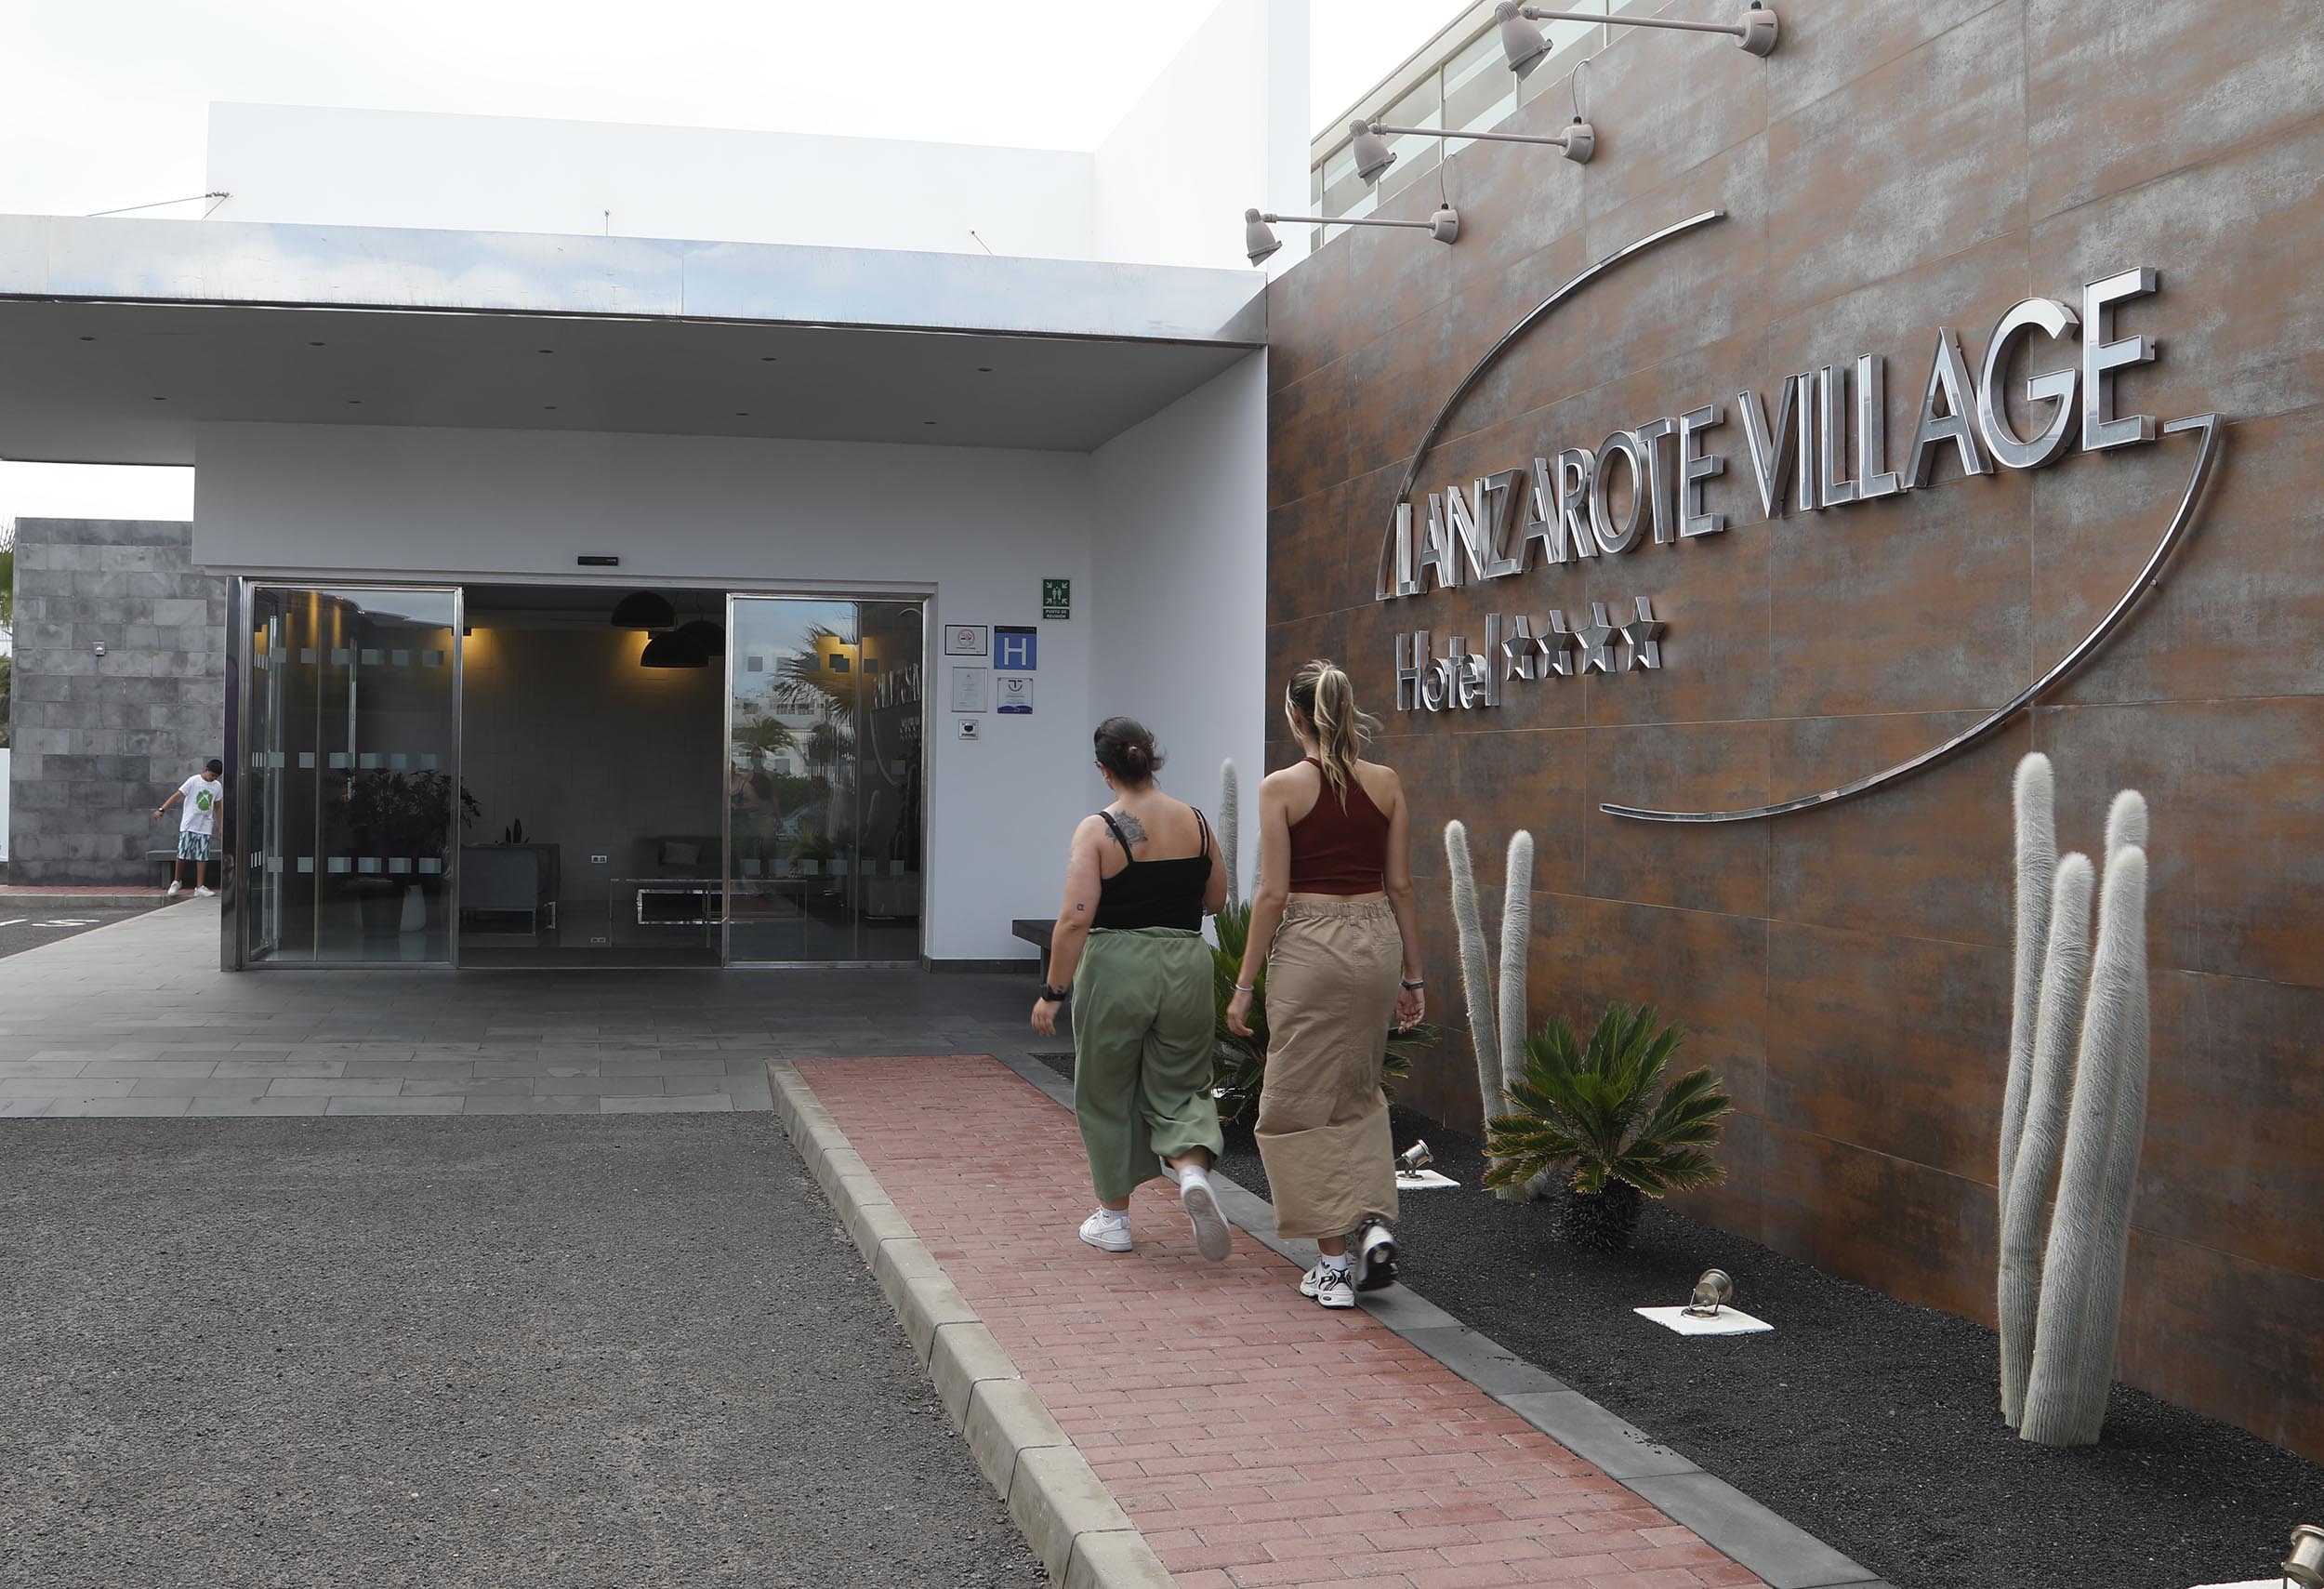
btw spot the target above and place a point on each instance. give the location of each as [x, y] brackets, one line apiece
[1603, 1113]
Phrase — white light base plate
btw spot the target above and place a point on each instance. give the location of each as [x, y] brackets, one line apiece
[2247, 1583]
[1423, 1181]
[1728, 1321]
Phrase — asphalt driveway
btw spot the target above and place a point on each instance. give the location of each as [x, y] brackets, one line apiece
[566, 1351]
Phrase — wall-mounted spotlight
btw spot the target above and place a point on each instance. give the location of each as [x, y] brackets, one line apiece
[1258, 238]
[1525, 49]
[1368, 142]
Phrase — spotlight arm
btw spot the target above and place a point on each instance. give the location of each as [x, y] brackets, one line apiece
[1561, 140]
[1758, 35]
[1273, 219]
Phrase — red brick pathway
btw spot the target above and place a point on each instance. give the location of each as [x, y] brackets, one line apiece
[1255, 1438]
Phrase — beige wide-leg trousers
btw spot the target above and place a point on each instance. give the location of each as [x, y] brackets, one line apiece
[1323, 1121]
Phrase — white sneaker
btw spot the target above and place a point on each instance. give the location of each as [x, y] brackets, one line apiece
[176, 888]
[1213, 1239]
[1372, 1257]
[1328, 1285]
[1108, 1231]
[206, 894]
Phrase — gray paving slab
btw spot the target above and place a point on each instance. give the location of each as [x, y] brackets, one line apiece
[67, 1087]
[336, 1086]
[676, 1104]
[189, 1087]
[134, 1067]
[368, 1106]
[486, 1103]
[465, 1087]
[258, 1104]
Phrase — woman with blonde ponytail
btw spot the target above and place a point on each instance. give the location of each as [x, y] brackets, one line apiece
[1334, 924]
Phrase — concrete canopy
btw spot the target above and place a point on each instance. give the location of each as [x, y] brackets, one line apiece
[118, 338]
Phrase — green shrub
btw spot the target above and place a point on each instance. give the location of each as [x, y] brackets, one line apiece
[1601, 1117]
[1239, 1066]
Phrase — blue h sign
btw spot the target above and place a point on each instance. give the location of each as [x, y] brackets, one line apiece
[1015, 650]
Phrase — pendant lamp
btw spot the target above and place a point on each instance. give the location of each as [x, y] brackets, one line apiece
[674, 649]
[643, 609]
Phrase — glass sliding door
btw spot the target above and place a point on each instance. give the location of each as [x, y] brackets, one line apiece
[824, 779]
[350, 805]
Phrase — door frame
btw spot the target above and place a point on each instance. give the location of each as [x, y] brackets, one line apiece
[925, 597]
[238, 894]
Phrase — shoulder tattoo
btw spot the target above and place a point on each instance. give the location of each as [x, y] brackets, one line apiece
[1132, 829]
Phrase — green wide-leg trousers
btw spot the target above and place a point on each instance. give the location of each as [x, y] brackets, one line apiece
[1143, 1008]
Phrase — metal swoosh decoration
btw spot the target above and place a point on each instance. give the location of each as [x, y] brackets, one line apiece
[1428, 437]
[2207, 455]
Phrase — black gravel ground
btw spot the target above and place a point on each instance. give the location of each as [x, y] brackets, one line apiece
[1869, 1422]
[563, 1351]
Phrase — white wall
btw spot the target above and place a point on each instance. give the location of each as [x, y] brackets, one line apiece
[340, 167]
[981, 527]
[1182, 565]
[1223, 129]
[5, 754]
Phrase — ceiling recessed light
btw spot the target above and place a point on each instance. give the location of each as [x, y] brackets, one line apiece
[984, 369]
[161, 400]
[314, 344]
[355, 402]
[766, 358]
[741, 413]
[549, 408]
[549, 350]
[89, 339]
[928, 421]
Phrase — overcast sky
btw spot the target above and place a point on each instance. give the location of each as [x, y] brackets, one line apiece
[104, 103]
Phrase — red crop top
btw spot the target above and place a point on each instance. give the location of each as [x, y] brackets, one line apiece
[1335, 850]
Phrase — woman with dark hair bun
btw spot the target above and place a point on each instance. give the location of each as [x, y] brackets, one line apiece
[1334, 923]
[1140, 877]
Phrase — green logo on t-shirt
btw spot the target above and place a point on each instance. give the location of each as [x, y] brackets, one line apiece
[203, 800]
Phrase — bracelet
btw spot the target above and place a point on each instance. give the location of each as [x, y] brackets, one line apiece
[1415, 987]
[1247, 987]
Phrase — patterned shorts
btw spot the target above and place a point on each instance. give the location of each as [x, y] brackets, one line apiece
[193, 846]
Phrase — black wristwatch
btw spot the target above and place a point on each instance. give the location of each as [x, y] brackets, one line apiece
[1055, 994]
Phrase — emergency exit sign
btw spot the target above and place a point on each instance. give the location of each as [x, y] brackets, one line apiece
[1057, 598]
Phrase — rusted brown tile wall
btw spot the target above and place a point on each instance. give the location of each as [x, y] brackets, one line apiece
[1891, 169]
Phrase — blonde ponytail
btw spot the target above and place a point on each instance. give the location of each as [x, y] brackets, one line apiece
[1321, 693]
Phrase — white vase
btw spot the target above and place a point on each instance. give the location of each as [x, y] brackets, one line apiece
[415, 909]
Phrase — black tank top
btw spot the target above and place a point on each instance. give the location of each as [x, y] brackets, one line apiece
[1154, 893]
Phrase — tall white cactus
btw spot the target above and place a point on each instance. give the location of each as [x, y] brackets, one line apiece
[2056, 1034]
[1516, 942]
[1497, 1025]
[2081, 1281]
[1230, 831]
[2075, 1106]
[1476, 975]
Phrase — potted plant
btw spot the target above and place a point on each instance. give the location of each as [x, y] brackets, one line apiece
[403, 815]
[1238, 1064]
[1602, 1115]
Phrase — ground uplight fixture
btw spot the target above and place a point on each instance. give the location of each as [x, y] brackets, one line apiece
[1712, 1292]
[1258, 238]
[1369, 141]
[2305, 1566]
[1526, 47]
[1414, 1159]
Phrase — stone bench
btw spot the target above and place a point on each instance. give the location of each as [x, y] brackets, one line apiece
[1037, 933]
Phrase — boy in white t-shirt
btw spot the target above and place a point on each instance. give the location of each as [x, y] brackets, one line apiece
[204, 795]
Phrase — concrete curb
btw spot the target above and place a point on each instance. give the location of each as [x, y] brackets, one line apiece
[1072, 1521]
[1783, 1555]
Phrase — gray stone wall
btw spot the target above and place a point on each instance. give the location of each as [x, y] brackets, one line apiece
[99, 741]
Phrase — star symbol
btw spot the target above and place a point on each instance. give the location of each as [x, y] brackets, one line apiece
[1643, 634]
[1557, 646]
[1519, 652]
[1597, 641]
